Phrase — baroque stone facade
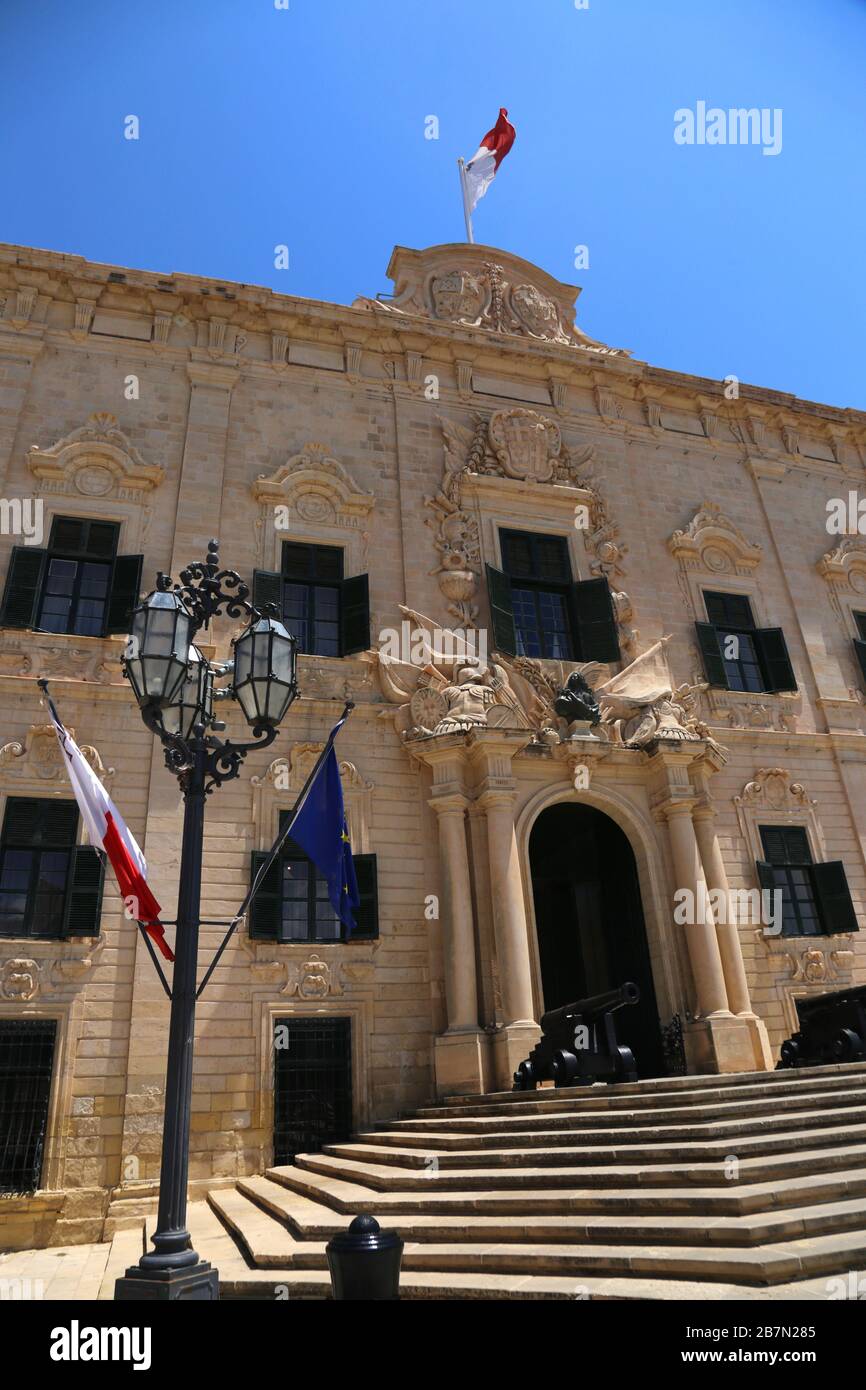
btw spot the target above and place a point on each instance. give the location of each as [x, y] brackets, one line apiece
[466, 407]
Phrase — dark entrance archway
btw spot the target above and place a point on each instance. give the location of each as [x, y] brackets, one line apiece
[591, 932]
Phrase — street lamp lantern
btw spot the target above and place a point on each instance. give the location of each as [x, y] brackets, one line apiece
[157, 653]
[265, 681]
[193, 703]
[174, 685]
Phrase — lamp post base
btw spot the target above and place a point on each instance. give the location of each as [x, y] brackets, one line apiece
[153, 1286]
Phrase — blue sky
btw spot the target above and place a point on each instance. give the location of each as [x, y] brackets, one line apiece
[261, 126]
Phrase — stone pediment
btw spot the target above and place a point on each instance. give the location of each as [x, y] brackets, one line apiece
[95, 460]
[483, 287]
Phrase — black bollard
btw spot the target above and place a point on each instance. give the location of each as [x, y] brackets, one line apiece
[365, 1261]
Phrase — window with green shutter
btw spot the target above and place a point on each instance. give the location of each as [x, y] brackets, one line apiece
[49, 886]
[328, 613]
[738, 655]
[536, 609]
[816, 899]
[79, 584]
[292, 902]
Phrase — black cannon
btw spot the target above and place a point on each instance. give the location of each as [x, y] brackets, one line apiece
[832, 1029]
[578, 1044]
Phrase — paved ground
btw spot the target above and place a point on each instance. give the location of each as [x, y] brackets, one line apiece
[64, 1271]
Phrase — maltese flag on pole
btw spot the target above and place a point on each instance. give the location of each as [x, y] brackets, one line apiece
[481, 169]
[107, 830]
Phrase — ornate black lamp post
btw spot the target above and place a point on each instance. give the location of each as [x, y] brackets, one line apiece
[175, 689]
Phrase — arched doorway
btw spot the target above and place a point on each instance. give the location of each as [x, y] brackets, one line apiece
[589, 918]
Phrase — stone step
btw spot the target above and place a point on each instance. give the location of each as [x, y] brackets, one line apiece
[696, 1171]
[270, 1245]
[308, 1220]
[602, 1097]
[526, 1118]
[260, 1284]
[795, 1123]
[350, 1196]
[539, 1155]
[688, 1084]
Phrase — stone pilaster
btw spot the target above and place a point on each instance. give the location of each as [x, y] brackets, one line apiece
[200, 493]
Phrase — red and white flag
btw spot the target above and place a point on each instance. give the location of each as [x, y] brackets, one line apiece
[107, 830]
[481, 169]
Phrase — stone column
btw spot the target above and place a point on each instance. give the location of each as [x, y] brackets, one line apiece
[703, 946]
[727, 932]
[491, 752]
[458, 929]
[461, 1053]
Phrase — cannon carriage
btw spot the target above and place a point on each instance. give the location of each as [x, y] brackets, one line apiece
[832, 1029]
[578, 1044]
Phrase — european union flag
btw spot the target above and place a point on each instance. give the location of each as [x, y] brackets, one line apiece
[320, 829]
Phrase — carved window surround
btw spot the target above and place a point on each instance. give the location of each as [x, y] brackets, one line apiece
[68, 1016]
[324, 504]
[278, 789]
[359, 1008]
[844, 572]
[103, 475]
[772, 797]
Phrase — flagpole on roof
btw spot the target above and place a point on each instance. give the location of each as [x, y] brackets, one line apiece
[469, 237]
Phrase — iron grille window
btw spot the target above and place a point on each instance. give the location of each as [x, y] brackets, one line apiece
[815, 897]
[26, 1062]
[739, 656]
[540, 574]
[292, 903]
[79, 584]
[312, 1084]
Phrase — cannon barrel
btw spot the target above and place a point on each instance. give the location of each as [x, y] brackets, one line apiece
[593, 1007]
[855, 995]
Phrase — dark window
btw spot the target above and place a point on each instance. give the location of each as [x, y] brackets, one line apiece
[860, 643]
[536, 609]
[540, 575]
[312, 1084]
[815, 897]
[292, 903]
[77, 585]
[329, 615]
[739, 656]
[26, 1061]
[77, 576]
[49, 887]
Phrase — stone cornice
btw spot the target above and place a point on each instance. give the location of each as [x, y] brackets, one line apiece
[71, 279]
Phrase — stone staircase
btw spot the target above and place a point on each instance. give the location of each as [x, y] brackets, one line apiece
[712, 1187]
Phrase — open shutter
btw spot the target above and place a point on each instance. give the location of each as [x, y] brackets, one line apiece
[834, 897]
[264, 911]
[367, 916]
[23, 585]
[714, 664]
[594, 621]
[501, 612]
[125, 590]
[267, 588]
[354, 615]
[778, 671]
[84, 893]
[860, 649]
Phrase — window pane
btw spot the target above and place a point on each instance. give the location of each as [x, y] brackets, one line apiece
[526, 622]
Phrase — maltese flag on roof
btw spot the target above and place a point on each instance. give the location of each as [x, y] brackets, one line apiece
[480, 170]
